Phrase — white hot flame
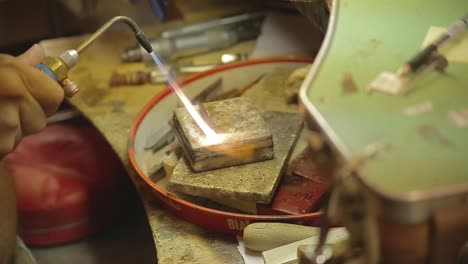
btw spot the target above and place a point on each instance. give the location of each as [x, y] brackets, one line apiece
[211, 136]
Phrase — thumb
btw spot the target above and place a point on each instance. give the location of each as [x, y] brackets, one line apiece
[33, 55]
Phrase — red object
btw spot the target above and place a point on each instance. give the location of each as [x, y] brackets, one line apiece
[69, 184]
[303, 191]
[217, 220]
[295, 195]
[312, 167]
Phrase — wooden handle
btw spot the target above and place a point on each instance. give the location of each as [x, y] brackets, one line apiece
[265, 236]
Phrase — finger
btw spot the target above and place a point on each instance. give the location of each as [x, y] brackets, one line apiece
[10, 129]
[47, 92]
[32, 116]
[4, 58]
[33, 55]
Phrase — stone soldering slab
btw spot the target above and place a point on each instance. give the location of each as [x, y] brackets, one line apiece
[246, 137]
[249, 182]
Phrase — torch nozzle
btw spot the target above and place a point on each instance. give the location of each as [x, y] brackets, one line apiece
[140, 36]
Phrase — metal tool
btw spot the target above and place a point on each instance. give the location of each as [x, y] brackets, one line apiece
[155, 76]
[202, 26]
[58, 67]
[160, 138]
[265, 236]
[201, 37]
[421, 57]
[394, 83]
[209, 92]
[224, 59]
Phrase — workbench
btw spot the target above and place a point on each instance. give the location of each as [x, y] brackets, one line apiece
[112, 111]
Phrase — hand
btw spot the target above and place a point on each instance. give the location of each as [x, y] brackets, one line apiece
[27, 97]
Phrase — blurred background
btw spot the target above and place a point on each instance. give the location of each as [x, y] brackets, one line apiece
[296, 29]
[25, 22]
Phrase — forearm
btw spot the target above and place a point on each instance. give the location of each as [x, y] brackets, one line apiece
[8, 217]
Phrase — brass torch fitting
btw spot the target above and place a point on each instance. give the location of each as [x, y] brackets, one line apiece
[58, 67]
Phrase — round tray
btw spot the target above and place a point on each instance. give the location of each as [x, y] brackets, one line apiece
[160, 109]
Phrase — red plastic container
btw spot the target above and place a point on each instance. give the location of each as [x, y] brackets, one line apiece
[69, 184]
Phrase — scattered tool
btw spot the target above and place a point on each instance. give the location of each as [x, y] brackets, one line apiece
[133, 78]
[140, 77]
[209, 93]
[238, 92]
[290, 253]
[224, 59]
[58, 67]
[394, 83]
[265, 236]
[160, 138]
[201, 37]
[421, 58]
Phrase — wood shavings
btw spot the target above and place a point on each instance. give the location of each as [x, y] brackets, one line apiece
[418, 109]
[459, 118]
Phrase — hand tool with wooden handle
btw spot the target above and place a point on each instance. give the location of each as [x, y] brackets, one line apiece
[265, 236]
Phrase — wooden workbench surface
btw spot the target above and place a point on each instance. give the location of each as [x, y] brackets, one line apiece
[112, 111]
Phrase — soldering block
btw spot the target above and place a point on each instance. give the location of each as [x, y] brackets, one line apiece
[245, 135]
[248, 182]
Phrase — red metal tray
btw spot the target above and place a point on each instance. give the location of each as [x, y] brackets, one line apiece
[159, 110]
